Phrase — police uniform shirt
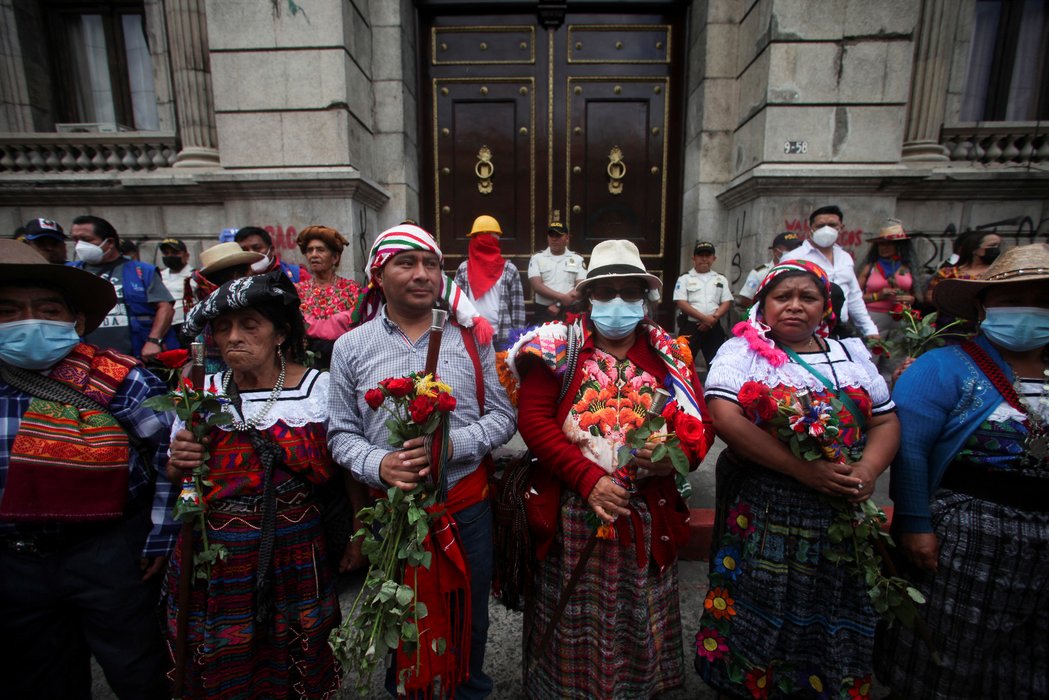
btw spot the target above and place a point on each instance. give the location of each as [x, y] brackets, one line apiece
[750, 287]
[559, 272]
[704, 291]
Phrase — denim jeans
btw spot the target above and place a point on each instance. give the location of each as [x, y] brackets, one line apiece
[475, 535]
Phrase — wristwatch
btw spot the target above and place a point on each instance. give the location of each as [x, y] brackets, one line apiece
[155, 341]
[558, 304]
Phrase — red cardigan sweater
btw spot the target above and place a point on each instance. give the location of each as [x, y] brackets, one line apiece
[562, 464]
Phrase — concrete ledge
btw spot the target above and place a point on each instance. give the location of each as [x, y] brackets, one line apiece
[701, 526]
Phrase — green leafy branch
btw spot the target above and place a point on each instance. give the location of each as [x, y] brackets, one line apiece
[386, 613]
[201, 411]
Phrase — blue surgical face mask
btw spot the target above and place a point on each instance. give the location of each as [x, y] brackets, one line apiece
[615, 319]
[36, 344]
[1017, 328]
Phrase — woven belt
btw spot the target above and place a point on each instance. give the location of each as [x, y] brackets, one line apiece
[291, 493]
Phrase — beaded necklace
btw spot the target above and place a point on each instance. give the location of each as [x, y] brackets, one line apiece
[278, 387]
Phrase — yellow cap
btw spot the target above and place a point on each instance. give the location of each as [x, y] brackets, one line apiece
[485, 224]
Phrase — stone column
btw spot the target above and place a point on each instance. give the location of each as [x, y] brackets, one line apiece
[191, 73]
[932, 60]
[15, 112]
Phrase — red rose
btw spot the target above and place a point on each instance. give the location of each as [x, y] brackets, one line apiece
[402, 386]
[445, 402]
[897, 311]
[880, 350]
[420, 408]
[916, 315]
[750, 393]
[173, 359]
[755, 398]
[187, 384]
[689, 431]
[374, 398]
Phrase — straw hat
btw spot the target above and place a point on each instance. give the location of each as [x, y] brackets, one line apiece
[225, 255]
[891, 231]
[1026, 263]
[92, 295]
[617, 259]
[485, 224]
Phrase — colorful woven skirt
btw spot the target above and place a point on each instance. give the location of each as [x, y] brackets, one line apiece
[780, 619]
[620, 634]
[230, 655]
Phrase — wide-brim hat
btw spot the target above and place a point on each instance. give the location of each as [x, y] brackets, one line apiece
[1026, 263]
[226, 255]
[890, 232]
[90, 294]
[617, 259]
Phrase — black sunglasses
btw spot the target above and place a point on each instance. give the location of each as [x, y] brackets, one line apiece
[610, 293]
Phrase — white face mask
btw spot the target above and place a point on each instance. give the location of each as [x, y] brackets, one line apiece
[262, 265]
[89, 252]
[825, 236]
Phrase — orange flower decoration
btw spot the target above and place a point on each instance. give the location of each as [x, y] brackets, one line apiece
[720, 604]
[684, 350]
[506, 377]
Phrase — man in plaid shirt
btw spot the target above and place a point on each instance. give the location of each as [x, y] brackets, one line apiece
[84, 530]
[492, 283]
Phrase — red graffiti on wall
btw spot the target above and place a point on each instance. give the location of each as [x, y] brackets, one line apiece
[283, 238]
[849, 239]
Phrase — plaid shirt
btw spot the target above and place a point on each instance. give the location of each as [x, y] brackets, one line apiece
[377, 350]
[511, 301]
[152, 427]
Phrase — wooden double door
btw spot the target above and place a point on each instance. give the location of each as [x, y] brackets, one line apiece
[574, 118]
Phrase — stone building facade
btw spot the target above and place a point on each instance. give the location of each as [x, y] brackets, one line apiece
[286, 113]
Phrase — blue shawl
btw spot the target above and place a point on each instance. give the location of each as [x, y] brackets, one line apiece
[940, 400]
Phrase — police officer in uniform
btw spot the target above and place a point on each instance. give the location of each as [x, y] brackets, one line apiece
[783, 242]
[553, 273]
[703, 297]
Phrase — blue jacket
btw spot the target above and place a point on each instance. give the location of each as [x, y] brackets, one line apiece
[940, 400]
[136, 278]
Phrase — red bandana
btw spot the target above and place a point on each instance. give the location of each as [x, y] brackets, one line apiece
[484, 263]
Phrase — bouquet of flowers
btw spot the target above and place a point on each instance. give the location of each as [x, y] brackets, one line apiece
[810, 426]
[916, 335]
[200, 410]
[386, 614]
[687, 438]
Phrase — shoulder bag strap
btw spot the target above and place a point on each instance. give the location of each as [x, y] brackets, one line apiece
[44, 387]
[850, 405]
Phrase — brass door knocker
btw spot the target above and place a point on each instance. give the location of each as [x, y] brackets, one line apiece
[484, 170]
[616, 171]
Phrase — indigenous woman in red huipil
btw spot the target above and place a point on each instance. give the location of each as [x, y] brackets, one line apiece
[259, 622]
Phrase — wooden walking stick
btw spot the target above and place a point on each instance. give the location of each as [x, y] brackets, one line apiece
[185, 579]
[433, 347]
[437, 446]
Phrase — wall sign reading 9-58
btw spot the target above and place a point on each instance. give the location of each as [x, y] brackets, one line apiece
[793, 148]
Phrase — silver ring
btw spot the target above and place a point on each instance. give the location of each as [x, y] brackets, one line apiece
[859, 486]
